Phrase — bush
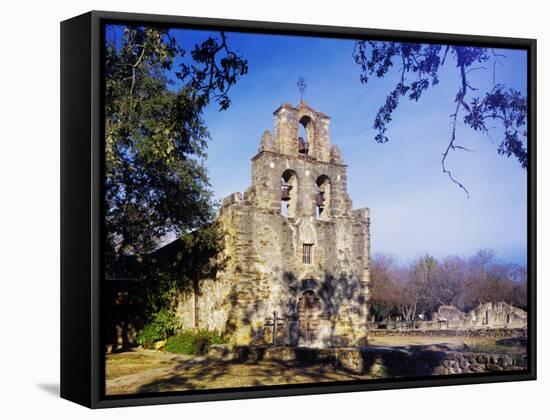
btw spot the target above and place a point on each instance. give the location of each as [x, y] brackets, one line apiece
[163, 324]
[148, 335]
[193, 342]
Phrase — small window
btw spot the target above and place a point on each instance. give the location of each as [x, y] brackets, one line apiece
[308, 253]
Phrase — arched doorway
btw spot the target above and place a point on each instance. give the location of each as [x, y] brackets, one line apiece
[309, 312]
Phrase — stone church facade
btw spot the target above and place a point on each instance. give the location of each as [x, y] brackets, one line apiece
[293, 246]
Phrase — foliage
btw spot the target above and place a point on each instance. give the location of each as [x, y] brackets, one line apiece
[419, 67]
[162, 325]
[155, 137]
[148, 335]
[193, 341]
[180, 266]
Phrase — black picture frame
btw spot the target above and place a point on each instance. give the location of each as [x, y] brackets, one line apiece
[82, 355]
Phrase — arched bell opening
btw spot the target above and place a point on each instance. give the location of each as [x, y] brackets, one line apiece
[289, 193]
[322, 198]
[305, 136]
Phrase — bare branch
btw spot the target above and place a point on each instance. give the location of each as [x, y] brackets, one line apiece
[455, 146]
[451, 146]
[476, 68]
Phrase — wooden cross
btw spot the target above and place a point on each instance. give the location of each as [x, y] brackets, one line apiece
[275, 322]
[301, 87]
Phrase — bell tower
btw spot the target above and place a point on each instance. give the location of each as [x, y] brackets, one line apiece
[316, 125]
[297, 176]
[295, 245]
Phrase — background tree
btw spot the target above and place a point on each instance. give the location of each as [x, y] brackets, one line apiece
[492, 281]
[385, 291]
[155, 135]
[419, 69]
[416, 288]
[425, 284]
[450, 283]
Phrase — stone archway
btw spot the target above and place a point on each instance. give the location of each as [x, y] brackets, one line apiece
[309, 313]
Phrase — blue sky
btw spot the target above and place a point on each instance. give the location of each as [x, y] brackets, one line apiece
[415, 208]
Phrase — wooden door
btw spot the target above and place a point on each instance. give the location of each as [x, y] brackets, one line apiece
[309, 308]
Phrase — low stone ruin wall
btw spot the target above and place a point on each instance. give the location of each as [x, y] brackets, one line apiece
[466, 362]
[380, 362]
[479, 332]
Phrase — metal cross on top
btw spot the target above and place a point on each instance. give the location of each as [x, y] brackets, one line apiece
[301, 87]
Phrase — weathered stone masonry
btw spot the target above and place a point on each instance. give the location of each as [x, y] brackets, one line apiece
[293, 245]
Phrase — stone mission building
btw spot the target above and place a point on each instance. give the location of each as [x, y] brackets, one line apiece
[293, 246]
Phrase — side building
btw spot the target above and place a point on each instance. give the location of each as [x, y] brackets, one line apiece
[294, 247]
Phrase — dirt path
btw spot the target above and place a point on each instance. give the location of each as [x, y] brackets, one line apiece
[478, 344]
[149, 371]
[146, 371]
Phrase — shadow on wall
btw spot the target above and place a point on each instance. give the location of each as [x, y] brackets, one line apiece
[334, 292]
[342, 300]
[240, 318]
[342, 305]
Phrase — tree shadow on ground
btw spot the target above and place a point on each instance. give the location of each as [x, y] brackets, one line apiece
[205, 373]
[252, 369]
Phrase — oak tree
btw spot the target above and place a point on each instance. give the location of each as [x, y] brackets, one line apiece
[156, 92]
[419, 67]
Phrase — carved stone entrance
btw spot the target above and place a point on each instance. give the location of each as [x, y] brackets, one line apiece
[309, 311]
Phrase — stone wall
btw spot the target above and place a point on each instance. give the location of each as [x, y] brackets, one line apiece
[213, 303]
[478, 332]
[381, 362]
[486, 315]
[469, 362]
[497, 314]
[316, 124]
